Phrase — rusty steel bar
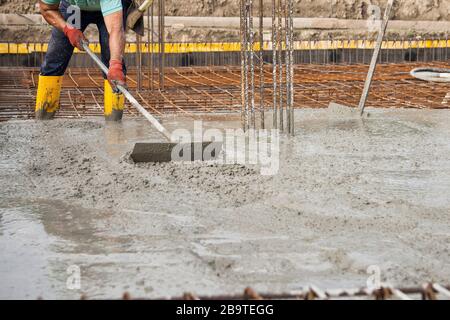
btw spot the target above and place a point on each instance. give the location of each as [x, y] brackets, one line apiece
[291, 68]
[280, 63]
[161, 44]
[149, 49]
[246, 67]
[139, 63]
[261, 63]
[152, 41]
[252, 64]
[242, 37]
[428, 291]
[288, 65]
[274, 65]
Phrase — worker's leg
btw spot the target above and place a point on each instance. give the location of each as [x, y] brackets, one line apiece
[113, 102]
[55, 64]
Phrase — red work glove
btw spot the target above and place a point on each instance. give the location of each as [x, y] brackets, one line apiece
[116, 75]
[75, 37]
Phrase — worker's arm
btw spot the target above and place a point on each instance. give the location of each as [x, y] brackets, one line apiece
[114, 24]
[51, 14]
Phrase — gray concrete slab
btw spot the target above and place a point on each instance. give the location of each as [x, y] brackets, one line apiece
[348, 194]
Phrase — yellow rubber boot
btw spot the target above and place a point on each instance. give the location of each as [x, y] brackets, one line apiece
[48, 95]
[114, 104]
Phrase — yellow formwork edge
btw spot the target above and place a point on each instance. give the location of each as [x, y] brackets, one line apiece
[27, 48]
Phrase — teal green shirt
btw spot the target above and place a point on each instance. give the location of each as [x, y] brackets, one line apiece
[106, 6]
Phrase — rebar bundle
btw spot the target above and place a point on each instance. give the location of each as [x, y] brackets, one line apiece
[282, 45]
[151, 46]
[161, 42]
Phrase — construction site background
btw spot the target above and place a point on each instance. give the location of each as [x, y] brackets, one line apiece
[414, 10]
[342, 9]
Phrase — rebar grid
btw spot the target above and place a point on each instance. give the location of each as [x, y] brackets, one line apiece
[218, 89]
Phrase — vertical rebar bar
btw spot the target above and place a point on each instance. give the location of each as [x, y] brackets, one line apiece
[252, 63]
[161, 23]
[149, 69]
[280, 63]
[152, 42]
[138, 63]
[410, 49]
[242, 36]
[163, 44]
[274, 65]
[149, 45]
[261, 63]
[289, 11]
[246, 56]
[291, 67]
[247, 68]
[287, 63]
[446, 47]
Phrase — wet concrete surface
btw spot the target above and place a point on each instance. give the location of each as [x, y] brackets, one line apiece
[349, 194]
